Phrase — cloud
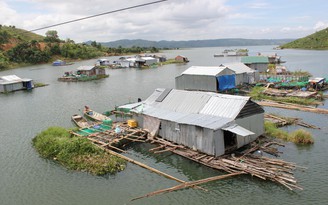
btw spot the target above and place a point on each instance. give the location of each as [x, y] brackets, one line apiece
[320, 25]
[169, 20]
[7, 14]
[258, 5]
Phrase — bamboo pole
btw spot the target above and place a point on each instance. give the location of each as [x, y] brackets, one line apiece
[187, 184]
[145, 166]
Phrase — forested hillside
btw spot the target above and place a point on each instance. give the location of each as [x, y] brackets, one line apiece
[316, 41]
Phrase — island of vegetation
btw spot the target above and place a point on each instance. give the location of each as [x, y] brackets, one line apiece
[299, 136]
[316, 41]
[76, 153]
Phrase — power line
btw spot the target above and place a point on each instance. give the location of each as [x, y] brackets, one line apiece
[101, 14]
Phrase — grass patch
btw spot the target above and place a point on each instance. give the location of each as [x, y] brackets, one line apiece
[257, 94]
[38, 84]
[75, 153]
[170, 61]
[301, 137]
[298, 137]
[272, 130]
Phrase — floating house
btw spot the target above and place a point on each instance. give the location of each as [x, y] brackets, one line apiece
[103, 62]
[244, 74]
[258, 63]
[272, 57]
[136, 62]
[206, 78]
[12, 83]
[180, 58]
[84, 73]
[208, 122]
[318, 83]
[142, 61]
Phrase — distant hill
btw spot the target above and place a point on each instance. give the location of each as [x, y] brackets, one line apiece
[11, 36]
[125, 43]
[22, 34]
[316, 41]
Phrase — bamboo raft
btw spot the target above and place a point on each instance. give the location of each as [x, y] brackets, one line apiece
[283, 121]
[265, 168]
[291, 106]
[113, 140]
[246, 162]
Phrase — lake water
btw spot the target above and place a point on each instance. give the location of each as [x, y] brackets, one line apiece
[28, 179]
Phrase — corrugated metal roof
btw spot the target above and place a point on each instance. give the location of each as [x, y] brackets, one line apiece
[207, 121]
[196, 102]
[152, 98]
[224, 105]
[10, 78]
[238, 67]
[184, 101]
[255, 59]
[239, 130]
[205, 109]
[204, 70]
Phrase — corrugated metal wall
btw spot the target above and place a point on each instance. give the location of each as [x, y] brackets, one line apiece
[219, 142]
[254, 123]
[196, 82]
[12, 87]
[191, 136]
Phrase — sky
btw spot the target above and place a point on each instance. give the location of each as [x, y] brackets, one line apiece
[169, 20]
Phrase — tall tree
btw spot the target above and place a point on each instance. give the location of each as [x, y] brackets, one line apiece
[52, 36]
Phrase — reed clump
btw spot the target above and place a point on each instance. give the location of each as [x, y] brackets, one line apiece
[75, 153]
[298, 136]
[301, 137]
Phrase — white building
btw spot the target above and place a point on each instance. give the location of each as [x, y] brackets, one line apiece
[11, 83]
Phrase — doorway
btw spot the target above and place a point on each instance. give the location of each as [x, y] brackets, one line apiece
[230, 141]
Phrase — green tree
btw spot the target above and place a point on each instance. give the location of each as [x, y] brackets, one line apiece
[27, 53]
[4, 61]
[52, 36]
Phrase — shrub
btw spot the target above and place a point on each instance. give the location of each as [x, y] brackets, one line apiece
[272, 130]
[301, 137]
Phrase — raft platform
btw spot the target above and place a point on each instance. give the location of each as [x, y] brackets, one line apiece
[248, 161]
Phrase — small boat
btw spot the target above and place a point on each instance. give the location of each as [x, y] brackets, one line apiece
[95, 115]
[61, 63]
[81, 121]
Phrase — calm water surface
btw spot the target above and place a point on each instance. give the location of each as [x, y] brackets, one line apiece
[28, 179]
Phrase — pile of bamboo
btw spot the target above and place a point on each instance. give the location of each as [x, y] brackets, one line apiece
[262, 167]
[251, 161]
